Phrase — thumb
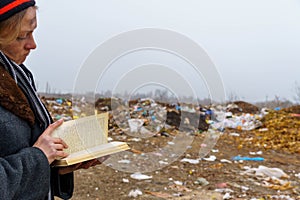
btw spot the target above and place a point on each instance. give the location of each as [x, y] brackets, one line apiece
[53, 126]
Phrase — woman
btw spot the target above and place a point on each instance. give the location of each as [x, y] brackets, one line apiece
[26, 146]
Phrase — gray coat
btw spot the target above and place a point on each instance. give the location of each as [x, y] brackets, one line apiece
[24, 170]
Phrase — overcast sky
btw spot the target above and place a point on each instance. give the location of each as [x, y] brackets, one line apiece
[254, 44]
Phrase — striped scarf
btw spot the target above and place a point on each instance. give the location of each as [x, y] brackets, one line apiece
[24, 80]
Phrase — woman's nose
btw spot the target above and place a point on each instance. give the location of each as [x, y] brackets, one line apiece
[30, 44]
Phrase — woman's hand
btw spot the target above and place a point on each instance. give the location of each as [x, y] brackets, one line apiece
[83, 165]
[51, 146]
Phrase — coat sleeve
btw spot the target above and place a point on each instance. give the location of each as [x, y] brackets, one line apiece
[62, 185]
[24, 170]
[24, 175]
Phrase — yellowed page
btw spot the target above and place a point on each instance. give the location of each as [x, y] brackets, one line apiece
[92, 153]
[84, 133]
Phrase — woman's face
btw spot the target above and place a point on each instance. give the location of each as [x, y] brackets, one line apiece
[20, 48]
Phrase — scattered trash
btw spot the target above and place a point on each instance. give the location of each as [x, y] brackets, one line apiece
[221, 185]
[225, 161]
[234, 134]
[277, 108]
[159, 194]
[135, 125]
[224, 190]
[135, 139]
[177, 195]
[124, 180]
[211, 158]
[285, 197]
[165, 134]
[238, 158]
[201, 181]
[59, 101]
[263, 129]
[163, 162]
[139, 176]
[266, 171]
[178, 182]
[256, 153]
[271, 177]
[191, 161]
[227, 196]
[135, 193]
[274, 129]
[124, 161]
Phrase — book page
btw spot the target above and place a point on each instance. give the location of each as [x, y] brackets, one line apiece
[92, 153]
[83, 133]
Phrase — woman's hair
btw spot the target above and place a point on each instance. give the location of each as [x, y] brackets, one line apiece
[10, 28]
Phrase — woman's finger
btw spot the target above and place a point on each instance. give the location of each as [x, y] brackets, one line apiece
[60, 141]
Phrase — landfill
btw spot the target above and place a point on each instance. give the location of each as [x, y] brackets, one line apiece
[254, 154]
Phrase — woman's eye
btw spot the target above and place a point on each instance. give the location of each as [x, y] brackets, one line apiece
[22, 37]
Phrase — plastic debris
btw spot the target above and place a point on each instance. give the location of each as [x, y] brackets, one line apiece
[234, 134]
[59, 101]
[277, 108]
[124, 180]
[201, 181]
[227, 196]
[270, 177]
[224, 190]
[256, 153]
[139, 176]
[178, 182]
[191, 161]
[211, 158]
[135, 139]
[266, 171]
[163, 162]
[124, 161]
[225, 161]
[135, 125]
[238, 158]
[135, 193]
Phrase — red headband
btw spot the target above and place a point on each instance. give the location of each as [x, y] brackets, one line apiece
[10, 7]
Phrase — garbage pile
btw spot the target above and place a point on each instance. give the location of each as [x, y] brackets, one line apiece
[192, 119]
[59, 108]
[156, 116]
[274, 129]
[236, 115]
[280, 130]
[273, 178]
[103, 104]
[66, 108]
[240, 107]
[144, 118]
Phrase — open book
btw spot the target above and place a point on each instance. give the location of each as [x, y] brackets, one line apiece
[87, 139]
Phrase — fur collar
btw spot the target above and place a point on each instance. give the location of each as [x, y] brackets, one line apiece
[13, 99]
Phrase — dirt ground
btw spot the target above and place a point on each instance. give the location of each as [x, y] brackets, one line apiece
[222, 178]
[103, 182]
